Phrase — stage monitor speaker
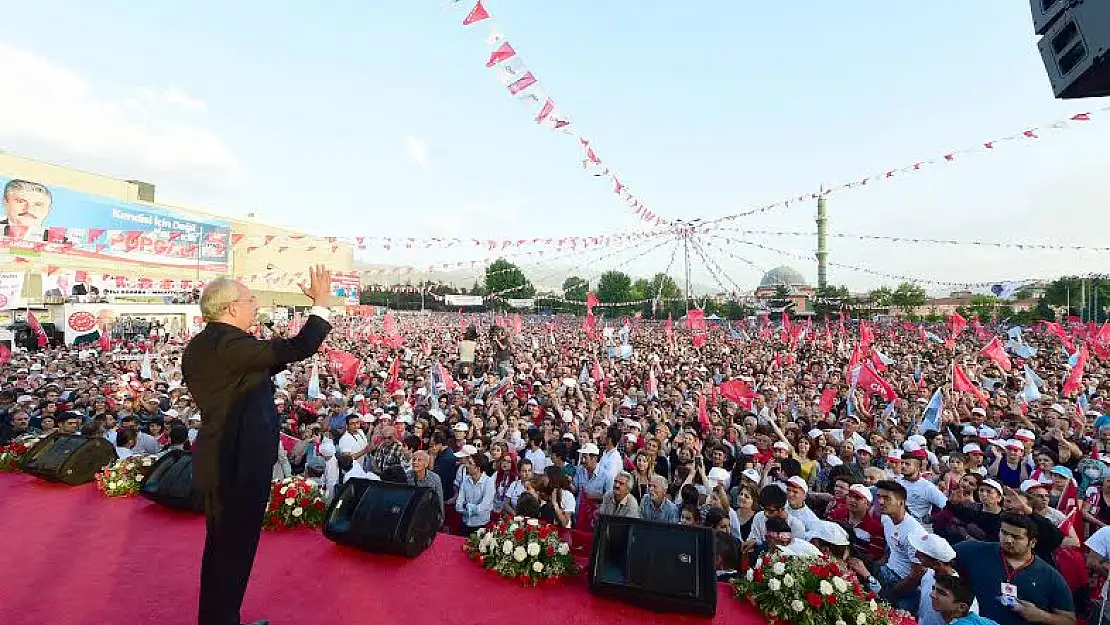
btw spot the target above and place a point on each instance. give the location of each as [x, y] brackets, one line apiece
[660, 566]
[170, 483]
[1045, 12]
[69, 458]
[1075, 46]
[384, 517]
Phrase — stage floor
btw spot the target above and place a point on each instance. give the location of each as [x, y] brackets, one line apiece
[71, 556]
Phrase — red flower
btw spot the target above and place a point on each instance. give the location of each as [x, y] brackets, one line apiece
[481, 560]
[305, 502]
[758, 576]
[831, 600]
[550, 550]
[519, 535]
[319, 505]
[544, 532]
[814, 600]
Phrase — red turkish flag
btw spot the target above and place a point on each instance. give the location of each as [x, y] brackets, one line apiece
[477, 14]
[997, 354]
[962, 384]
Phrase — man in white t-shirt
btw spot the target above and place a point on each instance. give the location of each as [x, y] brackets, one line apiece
[796, 491]
[899, 587]
[922, 496]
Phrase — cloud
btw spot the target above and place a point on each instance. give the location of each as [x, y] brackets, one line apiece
[417, 149]
[58, 114]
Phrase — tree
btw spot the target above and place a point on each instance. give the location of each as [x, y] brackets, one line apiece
[1072, 290]
[983, 306]
[506, 279]
[781, 298]
[575, 288]
[664, 286]
[641, 290]
[614, 286]
[830, 299]
[908, 296]
[881, 296]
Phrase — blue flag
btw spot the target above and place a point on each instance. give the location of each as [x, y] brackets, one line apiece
[314, 383]
[930, 419]
[1030, 393]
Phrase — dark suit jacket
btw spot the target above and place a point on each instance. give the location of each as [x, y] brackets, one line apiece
[228, 374]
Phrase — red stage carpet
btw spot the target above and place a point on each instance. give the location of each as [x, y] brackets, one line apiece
[70, 556]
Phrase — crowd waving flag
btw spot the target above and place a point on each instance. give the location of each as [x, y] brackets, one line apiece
[521, 83]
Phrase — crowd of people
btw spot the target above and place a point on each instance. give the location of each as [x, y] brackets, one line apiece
[763, 430]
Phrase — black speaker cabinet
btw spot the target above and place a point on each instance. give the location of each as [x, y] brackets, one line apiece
[69, 458]
[658, 566]
[170, 483]
[384, 517]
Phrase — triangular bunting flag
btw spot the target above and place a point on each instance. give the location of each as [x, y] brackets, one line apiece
[477, 14]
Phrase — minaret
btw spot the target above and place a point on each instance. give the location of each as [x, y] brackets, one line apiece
[822, 248]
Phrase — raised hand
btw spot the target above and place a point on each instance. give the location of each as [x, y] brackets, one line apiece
[319, 286]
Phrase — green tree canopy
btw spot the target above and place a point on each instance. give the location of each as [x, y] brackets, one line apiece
[506, 279]
[908, 296]
[881, 296]
[641, 289]
[614, 286]
[663, 286]
[575, 288]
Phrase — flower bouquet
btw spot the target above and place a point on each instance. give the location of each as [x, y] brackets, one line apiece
[122, 477]
[11, 454]
[295, 502]
[812, 591]
[526, 550]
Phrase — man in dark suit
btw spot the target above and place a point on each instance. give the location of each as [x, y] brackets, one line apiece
[228, 372]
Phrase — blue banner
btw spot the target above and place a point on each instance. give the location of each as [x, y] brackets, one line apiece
[99, 227]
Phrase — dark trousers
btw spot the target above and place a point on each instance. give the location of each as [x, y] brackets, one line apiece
[229, 549]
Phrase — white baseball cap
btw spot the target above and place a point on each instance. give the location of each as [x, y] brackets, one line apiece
[799, 482]
[466, 451]
[933, 546]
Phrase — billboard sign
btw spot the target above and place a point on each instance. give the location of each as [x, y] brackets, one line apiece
[345, 286]
[70, 222]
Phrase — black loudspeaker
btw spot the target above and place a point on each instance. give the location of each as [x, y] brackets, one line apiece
[659, 566]
[384, 517]
[1075, 46]
[170, 483]
[69, 458]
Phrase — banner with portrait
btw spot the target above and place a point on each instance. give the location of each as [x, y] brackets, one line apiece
[11, 289]
[80, 224]
[345, 286]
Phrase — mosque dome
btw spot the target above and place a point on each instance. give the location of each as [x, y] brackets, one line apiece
[787, 276]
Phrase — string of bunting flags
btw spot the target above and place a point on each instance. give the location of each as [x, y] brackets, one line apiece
[894, 239]
[521, 82]
[598, 260]
[881, 274]
[981, 147]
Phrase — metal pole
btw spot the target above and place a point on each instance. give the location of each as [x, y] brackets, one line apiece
[822, 243]
[686, 262]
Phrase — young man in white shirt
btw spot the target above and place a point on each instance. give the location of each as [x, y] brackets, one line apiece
[796, 491]
[899, 586]
[922, 496]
